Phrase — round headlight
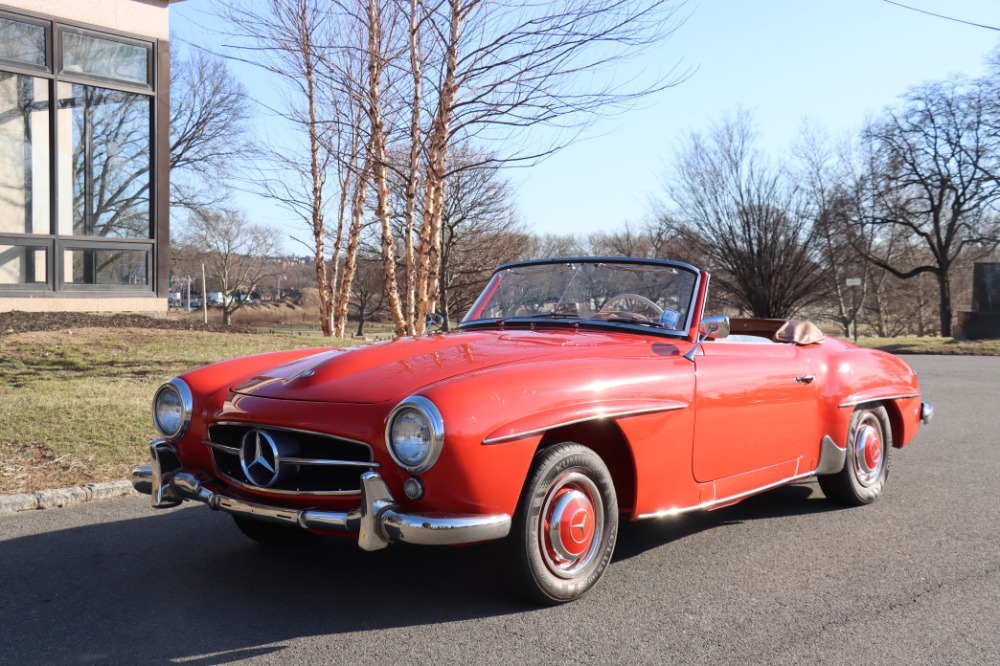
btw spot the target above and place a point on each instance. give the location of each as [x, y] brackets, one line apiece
[172, 409]
[414, 434]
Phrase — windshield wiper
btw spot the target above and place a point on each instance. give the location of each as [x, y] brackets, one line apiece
[628, 320]
[553, 315]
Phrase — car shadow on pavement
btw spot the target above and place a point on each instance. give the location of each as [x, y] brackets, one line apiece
[797, 499]
[184, 585]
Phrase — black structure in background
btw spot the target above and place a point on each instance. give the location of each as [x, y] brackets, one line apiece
[984, 320]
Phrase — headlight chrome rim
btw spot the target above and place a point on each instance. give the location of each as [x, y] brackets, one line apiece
[435, 424]
[179, 387]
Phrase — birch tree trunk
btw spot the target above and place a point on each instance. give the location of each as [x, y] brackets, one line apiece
[378, 158]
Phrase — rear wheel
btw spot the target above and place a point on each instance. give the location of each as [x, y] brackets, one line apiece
[866, 465]
[272, 534]
[566, 524]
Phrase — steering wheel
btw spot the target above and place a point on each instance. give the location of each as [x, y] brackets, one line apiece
[629, 301]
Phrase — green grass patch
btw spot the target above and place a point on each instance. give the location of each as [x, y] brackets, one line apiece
[928, 345]
[74, 409]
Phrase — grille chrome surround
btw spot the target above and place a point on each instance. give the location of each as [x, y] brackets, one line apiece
[323, 464]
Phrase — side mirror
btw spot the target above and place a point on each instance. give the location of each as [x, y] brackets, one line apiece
[715, 327]
[432, 322]
[711, 327]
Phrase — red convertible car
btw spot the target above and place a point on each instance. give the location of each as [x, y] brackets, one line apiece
[574, 394]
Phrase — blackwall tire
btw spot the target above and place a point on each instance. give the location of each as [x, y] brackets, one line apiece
[566, 525]
[866, 465]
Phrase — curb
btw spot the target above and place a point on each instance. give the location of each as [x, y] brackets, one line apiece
[59, 497]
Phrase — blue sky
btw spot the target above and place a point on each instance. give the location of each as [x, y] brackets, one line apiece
[833, 62]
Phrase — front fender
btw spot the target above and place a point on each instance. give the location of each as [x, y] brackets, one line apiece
[567, 415]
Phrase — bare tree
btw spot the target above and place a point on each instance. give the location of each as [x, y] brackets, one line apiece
[934, 179]
[548, 246]
[504, 69]
[367, 290]
[652, 240]
[377, 59]
[831, 195]
[209, 112]
[480, 231]
[292, 40]
[747, 222]
[443, 69]
[236, 251]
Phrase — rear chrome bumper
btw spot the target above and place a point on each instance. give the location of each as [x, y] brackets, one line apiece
[377, 522]
[926, 412]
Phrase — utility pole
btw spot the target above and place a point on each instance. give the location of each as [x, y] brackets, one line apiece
[854, 283]
[204, 295]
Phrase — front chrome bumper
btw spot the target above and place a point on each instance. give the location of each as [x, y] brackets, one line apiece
[926, 412]
[377, 522]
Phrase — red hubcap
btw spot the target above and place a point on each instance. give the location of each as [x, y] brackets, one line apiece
[571, 524]
[868, 456]
[873, 450]
[573, 519]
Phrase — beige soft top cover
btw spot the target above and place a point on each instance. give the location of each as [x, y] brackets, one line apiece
[799, 331]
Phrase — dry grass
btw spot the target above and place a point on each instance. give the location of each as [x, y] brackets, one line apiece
[915, 345]
[74, 407]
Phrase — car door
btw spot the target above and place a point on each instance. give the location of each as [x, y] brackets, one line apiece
[756, 406]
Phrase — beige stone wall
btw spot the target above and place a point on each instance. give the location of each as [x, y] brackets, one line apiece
[141, 17]
[157, 306]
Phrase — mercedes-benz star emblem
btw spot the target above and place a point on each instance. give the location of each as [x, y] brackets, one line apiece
[259, 458]
[578, 526]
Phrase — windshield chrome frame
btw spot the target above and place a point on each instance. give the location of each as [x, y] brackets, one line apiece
[596, 323]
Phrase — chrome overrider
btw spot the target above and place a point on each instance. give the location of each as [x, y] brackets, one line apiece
[377, 522]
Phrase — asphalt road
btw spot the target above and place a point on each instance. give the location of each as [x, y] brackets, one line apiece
[783, 578]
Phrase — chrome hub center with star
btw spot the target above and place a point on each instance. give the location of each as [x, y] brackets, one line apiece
[259, 458]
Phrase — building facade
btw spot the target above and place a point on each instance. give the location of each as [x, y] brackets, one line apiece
[84, 155]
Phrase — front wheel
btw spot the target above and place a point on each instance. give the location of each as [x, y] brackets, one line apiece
[566, 524]
[866, 465]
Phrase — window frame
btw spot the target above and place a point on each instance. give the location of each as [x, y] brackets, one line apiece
[40, 243]
[156, 90]
[61, 28]
[65, 244]
[46, 25]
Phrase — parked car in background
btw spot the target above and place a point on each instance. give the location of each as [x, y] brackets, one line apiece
[576, 393]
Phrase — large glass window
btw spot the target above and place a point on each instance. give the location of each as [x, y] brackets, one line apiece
[22, 43]
[107, 58]
[106, 267]
[24, 154]
[104, 162]
[76, 144]
[23, 265]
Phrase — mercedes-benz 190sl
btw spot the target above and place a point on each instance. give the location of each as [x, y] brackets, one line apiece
[575, 393]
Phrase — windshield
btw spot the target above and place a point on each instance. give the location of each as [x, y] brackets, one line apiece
[652, 295]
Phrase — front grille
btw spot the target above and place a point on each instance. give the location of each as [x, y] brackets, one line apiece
[308, 462]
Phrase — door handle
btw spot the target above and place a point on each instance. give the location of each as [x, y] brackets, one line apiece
[806, 379]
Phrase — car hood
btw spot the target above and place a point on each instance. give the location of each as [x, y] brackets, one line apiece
[392, 370]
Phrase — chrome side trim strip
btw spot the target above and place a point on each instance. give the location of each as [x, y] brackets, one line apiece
[666, 513]
[901, 396]
[591, 417]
